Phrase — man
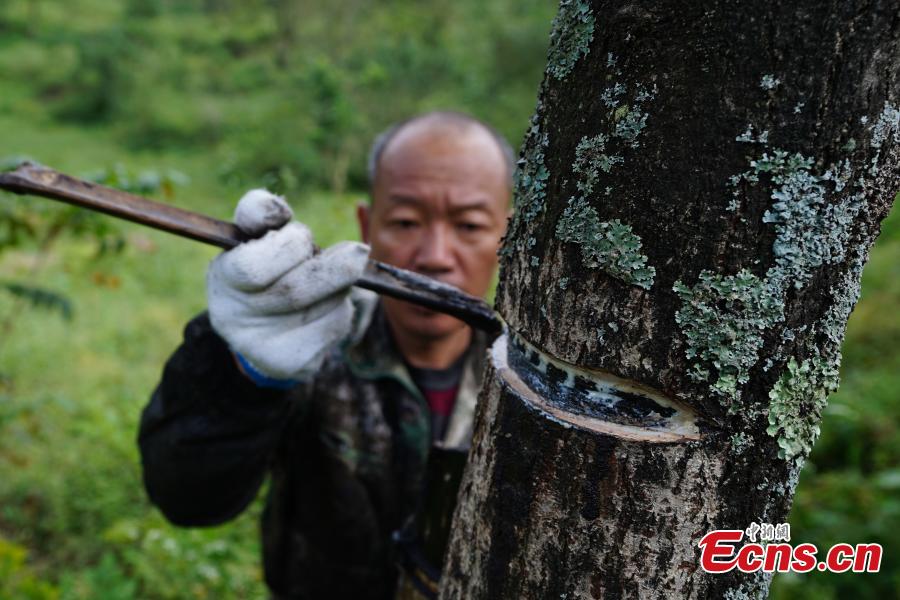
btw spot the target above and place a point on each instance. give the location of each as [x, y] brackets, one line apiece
[361, 410]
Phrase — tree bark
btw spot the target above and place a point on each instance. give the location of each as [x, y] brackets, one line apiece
[695, 202]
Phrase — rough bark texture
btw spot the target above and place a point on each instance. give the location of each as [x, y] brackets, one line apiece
[695, 202]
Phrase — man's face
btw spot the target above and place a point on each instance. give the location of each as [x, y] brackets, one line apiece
[440, 205]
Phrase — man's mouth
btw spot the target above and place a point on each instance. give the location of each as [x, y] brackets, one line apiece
[443, 279]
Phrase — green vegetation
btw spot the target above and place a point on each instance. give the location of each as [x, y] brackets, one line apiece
[282, 92]
[286, 94]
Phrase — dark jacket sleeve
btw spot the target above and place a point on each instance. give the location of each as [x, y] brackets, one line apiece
[208, 434]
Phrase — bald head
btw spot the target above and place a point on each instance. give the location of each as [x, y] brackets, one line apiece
[445, 130]
[440, 191]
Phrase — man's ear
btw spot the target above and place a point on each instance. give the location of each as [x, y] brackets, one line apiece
[362, 216]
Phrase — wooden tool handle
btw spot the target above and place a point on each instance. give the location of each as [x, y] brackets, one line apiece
[378, 277]
[41, 181]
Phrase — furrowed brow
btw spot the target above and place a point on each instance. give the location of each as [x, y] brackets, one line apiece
[407, 200]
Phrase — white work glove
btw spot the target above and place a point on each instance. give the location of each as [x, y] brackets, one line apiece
[279, 306]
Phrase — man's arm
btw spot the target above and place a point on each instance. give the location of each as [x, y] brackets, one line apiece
[276, 309]
[208, 434]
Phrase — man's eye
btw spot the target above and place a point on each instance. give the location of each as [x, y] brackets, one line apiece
[404, 223]
[469, 227]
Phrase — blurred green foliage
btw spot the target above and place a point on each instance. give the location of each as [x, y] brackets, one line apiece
[17, 580]
[38, 226]
[287, 94]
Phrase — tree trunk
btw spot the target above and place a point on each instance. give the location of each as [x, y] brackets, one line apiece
[695, 202]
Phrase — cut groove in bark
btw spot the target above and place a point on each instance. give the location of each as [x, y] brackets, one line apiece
[591, 399]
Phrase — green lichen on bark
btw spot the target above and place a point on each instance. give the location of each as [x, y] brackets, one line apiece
[844, 296]
[801, 393]
[723, 319]
[756, 588]
[631, 118]
[530, 190]
[886, 126]
[769, 82]
[797, 400]
[570, 36]
[531, 180]
[611, 246]
[740, 442]
[810, 230]
[748, 138]
[591, 159]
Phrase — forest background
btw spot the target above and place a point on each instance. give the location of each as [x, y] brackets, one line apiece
[194, 102]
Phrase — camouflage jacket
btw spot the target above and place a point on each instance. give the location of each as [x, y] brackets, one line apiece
[347, 453]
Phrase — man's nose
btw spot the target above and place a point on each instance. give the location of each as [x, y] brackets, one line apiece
[435, 251]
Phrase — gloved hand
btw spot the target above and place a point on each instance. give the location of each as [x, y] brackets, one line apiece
[279, 306]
